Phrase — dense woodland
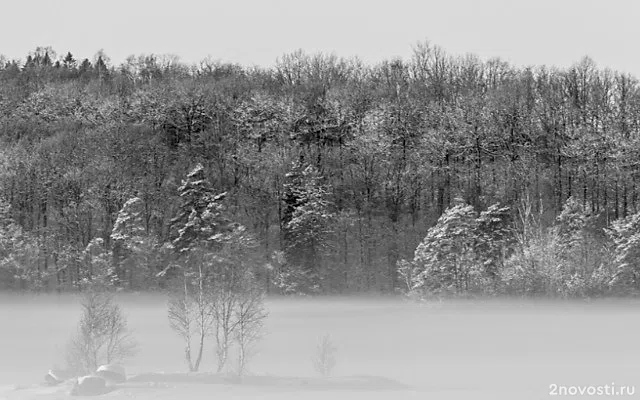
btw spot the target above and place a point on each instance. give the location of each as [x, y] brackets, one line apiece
[436, 175]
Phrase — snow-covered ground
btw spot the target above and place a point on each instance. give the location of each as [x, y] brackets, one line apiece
[387, 349]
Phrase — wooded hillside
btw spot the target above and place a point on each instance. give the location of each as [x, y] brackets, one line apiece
[437, 174]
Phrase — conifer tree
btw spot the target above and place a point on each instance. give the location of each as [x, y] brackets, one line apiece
[101, 68]
[46, 60]
[132, 247]
[446, 256]
[200, 222]
[199, 233]
[85, 67]
[69, 62]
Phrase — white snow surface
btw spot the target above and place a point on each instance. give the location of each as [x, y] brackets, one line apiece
[386, 349]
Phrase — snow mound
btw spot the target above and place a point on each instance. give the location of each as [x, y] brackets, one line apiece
[112, 373]
[90, 385]
[57, 376]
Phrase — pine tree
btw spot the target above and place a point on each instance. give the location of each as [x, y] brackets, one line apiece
[69, 62]
[446, 256]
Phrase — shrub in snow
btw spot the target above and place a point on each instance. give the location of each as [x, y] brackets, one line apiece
[325, 359]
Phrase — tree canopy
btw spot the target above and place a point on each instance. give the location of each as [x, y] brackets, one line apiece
[477, 175]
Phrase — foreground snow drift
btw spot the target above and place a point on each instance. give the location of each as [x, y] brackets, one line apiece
[202, 385]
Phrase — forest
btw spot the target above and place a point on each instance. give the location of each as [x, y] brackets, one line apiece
[439, 175]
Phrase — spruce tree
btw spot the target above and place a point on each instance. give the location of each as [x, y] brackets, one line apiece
[69, 62]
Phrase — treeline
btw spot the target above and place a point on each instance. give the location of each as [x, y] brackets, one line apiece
[486, 177]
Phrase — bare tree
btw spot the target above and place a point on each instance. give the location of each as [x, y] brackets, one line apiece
[190, 314]
[103, 336]
[236, 298]
[224, 302]
[249, 314]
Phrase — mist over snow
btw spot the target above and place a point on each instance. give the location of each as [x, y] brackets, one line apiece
[463, 349]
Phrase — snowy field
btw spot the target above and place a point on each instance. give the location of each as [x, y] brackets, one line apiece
[387, 349]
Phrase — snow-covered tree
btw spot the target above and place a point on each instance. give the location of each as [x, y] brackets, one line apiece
[129, 226]
[18, 254]
[446, 256]
[568, 259]
[197, 230]
[533, 268]
[213, 260]
[495, 239]
[98, 270]
[411, 277]
[200, 222]
[307, 224]
[463, 252]
[582, 251]
[132, 248]
[625, 234]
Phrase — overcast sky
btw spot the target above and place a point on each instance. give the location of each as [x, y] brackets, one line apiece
[532, 32]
